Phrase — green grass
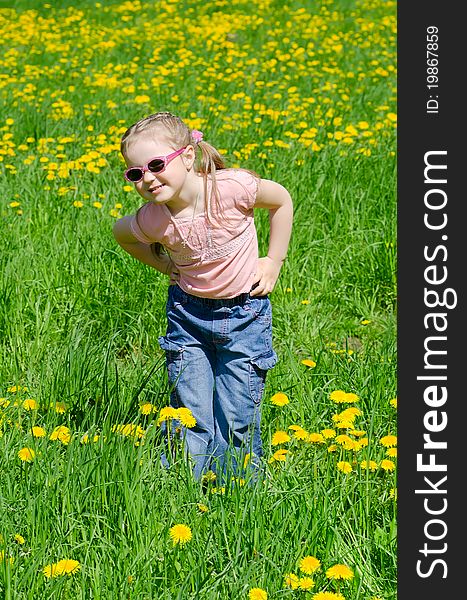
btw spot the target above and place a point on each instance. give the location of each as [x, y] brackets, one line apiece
[80, 319]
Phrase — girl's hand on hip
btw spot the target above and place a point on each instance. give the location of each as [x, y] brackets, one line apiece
[266, 276]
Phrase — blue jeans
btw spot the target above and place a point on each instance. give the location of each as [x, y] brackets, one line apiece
[218, 352]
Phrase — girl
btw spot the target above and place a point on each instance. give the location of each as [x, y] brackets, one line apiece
[197, 227]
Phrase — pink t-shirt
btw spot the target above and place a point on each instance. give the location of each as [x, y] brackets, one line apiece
[214, 261]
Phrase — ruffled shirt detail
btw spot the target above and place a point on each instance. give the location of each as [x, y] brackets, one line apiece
[213, 261]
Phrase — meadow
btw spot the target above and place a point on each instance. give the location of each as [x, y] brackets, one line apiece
[302, 92]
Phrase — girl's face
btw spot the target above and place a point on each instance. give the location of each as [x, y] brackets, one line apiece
[171, 185]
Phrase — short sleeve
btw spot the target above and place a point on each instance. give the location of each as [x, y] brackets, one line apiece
[145, 224]
[246, 189]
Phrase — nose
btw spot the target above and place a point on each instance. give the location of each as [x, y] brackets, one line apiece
[148, 176]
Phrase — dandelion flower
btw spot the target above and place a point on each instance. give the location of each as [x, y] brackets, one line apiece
[371, 465]
[344, 467]
[166, 413]
[327, 596]
[61, 433]
[301, 434]
[26, 454]
[388, 441]
[328, 433]
[306, 583]
[30, 404]
[279, 456]
[180, 534]
[19, 539]
[291, 581]
[279, 399]
[62, 567]
[391, 452]
[202, 507]
[257, 594]
[186, 417]
[280, 437]
[393, 493]
[387, 465]
[339, 572]
[209, 476]
[393, 402]
[365, 322]
[337, 396]
[308, 363]
[37, 431]
[315, 438]
[309, 564]
[147, 408]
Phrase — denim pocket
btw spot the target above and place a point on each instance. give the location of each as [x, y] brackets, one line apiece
[174, 358]
[259, 367]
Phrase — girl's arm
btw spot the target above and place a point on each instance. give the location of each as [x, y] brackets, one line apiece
[142, 252]
[277, 200]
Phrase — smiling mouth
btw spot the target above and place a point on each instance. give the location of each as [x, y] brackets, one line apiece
[156, 187]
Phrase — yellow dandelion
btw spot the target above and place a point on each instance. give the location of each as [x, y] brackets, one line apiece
[371, 465]
[180, 534]
[349, 414]
[59, 407]
[305, 583]
[61, 433]
[280, 437]
[345, 441]
[306, 301]
[339, 572]
[30, 404]
[78, 204]
[186, 417]
[308, 363]
[62, 567]
[332, 447]
[328, 596]
[387, 465]
[19, 539]
[280, 399]
[337, 396]
[309, 564]
[388, 441]
[291, 581]
[166, 413]
[365, 322]
[130, 579]
[279, 456]
[344, 467]
[202, 507]
[147, 408]
[328, 433]
[301, 434]
[393, 493]
[26, 454]
[209, 476]
[257, 594]
[393, 402]
[37, 431]
[391, 452]
[315, 438]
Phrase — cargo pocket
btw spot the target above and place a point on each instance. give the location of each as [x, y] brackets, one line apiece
[173, 359]
[259, 367]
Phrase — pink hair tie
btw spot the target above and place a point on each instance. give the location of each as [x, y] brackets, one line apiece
[197, 136]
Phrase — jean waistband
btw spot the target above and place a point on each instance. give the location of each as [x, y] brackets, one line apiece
[213, 302]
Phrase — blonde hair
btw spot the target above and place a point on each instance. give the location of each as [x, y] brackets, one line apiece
[179, 135]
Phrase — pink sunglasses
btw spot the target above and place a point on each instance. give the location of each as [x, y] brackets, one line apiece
[155, 165]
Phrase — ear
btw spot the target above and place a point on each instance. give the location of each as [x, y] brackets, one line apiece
[189, 156]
